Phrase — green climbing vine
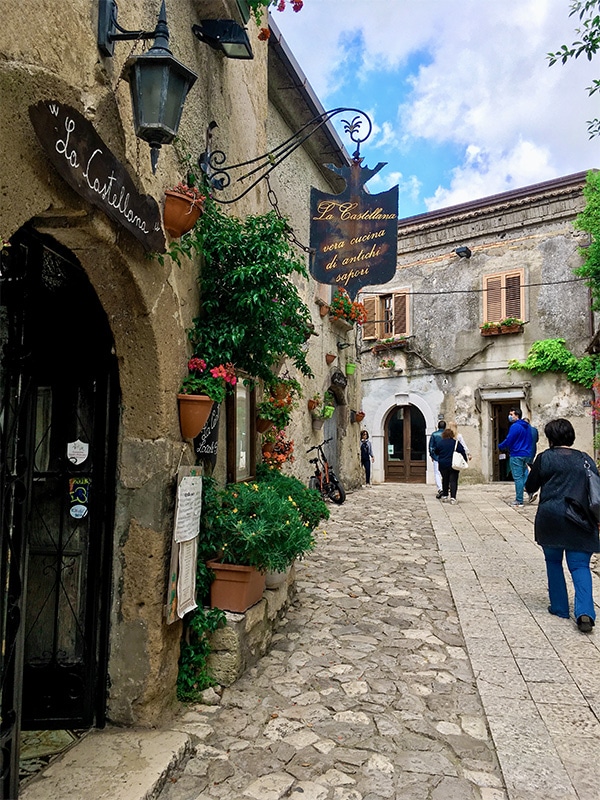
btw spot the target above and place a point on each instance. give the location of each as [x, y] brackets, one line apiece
[552, 355]
[589, 220]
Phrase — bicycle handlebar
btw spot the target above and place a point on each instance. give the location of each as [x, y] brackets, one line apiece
[319, 446]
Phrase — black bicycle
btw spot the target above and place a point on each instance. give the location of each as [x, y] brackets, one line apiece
[324, 480]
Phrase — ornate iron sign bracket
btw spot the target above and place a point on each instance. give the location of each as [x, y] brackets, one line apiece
[220, 176]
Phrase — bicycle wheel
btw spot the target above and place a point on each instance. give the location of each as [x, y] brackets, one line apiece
[313, 483]
[336, 491]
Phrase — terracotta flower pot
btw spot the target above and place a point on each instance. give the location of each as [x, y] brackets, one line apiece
[180, 213]
[330, 358]
[312, 404]
[280, 392]
[194, 411]
[235, 588]
[263, 425]
[511, 328]
[323, 310]
[267, 448]
[359, 416]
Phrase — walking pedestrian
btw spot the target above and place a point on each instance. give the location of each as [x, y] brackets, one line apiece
[433, 441]
[366, 455]
[445, 450]
[518, 444]
[563, 524]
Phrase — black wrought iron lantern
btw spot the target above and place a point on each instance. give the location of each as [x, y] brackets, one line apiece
[159, 83]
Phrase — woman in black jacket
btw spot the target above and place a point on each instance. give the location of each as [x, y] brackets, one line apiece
[563, 523]
[444, 449]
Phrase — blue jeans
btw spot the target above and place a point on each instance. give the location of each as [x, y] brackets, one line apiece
[579, 567]
[518, 467]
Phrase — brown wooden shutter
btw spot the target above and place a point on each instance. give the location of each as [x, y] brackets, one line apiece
[493, 299]
[400, 314]
[370, 327]
[513, 296]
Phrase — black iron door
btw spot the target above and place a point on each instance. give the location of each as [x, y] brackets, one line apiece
[58, 413]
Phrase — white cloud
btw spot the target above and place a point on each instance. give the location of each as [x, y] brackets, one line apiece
[484, 87]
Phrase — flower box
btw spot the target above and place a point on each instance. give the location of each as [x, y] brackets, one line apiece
[235, 588]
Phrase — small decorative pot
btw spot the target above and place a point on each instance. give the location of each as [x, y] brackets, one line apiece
[312, 404]
[194, 411]
[180, 213]
[317, 423]
[330, 358]
[323, 310]
[263, 425]
[267, 448]
[280, 392]
[350, 369]
[328, 412]
[359, 416]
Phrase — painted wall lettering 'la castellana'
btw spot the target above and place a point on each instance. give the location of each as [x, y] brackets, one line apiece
[354, 234]
[88, 166]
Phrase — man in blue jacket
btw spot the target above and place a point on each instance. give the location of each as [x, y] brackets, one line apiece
[519, 444]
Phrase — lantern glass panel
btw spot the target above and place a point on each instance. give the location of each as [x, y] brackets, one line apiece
[174, 100]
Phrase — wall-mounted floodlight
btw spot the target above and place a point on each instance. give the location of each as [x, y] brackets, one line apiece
[224, 35]
[463, 252]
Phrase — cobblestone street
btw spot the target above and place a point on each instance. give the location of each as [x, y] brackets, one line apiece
[418, 662]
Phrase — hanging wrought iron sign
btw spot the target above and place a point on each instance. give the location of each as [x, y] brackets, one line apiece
[86, 163]
[354, 235]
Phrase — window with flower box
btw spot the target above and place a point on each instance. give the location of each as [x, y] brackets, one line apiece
[503, 296]
[387, 316]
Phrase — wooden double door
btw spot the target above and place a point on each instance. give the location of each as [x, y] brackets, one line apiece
[405, 458]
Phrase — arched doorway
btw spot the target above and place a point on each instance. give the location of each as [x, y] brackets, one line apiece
[405, 445]
[58, 435]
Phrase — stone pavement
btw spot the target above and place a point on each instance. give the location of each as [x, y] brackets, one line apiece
[418, 662]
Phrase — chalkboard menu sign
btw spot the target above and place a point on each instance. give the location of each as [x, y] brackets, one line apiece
[88, 166]
[205, 444]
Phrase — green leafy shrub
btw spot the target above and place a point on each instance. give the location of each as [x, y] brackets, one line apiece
[309, 503]
[258, 527]
[552, 355]
[251, 312]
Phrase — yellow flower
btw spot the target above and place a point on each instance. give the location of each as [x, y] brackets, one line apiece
[235, 510]
[324, 533]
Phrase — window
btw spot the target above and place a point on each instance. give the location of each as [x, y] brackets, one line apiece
[387, 316]
[503, 296]
[241, 434]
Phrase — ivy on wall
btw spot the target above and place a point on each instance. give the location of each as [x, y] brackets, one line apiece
[552, 355]
[589, 220]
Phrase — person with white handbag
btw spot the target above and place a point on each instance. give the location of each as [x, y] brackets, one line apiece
[452, 457]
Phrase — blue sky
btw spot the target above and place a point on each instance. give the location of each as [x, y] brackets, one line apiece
[463, 101]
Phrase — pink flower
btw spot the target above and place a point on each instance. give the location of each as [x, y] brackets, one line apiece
[196, 364]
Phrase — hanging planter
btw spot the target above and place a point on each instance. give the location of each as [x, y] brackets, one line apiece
[359, 416]
[323, 310]
[194, 411]
[317, 423]
[350, 368]
[328, 412]
[263, 425]
[235, 588]
[183, 206]
[330, 357]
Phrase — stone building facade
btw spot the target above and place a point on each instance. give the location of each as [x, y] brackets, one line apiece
[518, 250]
[93, 347]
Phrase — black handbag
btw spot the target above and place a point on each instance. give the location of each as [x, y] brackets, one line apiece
[593, 489]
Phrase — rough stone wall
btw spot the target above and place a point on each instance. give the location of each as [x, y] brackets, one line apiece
[48, 51]
[448, 363]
